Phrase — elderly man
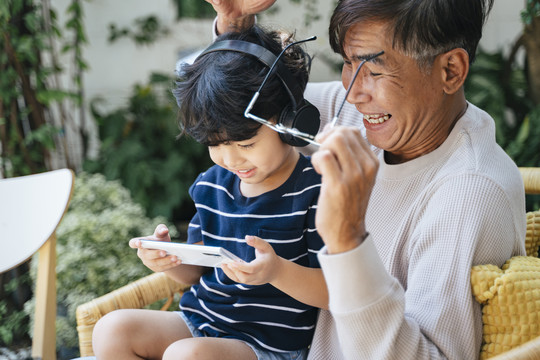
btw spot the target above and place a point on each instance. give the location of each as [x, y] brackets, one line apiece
[407, 213]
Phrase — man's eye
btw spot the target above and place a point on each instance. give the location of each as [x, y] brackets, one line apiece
[375, 74]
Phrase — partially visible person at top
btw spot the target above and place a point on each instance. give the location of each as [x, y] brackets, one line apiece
[258, 202]
[417, 192]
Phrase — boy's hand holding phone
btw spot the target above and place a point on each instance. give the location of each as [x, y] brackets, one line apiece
[155, 260]
[260, 271]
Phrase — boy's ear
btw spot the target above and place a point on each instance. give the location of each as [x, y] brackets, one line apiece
[454, 66]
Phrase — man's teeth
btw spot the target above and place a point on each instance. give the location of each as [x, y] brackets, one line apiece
[376, 119]
[243, 171]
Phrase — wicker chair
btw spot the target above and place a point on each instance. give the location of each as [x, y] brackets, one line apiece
[157, 286]
[135, 295]
[531, 349]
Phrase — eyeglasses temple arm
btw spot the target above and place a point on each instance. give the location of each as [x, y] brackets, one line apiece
[336, 117]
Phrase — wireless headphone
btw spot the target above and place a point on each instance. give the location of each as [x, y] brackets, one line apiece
[299, 114]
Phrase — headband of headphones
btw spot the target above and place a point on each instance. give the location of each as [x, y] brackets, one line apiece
[266, 57]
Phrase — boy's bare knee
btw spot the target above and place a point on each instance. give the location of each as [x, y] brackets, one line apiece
[186, 349]
[108, 336]
[203, 348]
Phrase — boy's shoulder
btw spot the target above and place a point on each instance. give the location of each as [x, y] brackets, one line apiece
[216, 174]
[305, 173]
[305, 164]
[216, 170]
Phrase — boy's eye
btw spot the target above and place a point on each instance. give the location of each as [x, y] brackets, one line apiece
[246, 146]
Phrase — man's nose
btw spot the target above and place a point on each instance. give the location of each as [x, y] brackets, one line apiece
[360, 92]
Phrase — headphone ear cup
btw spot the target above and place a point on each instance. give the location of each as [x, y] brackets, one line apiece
[306, 119]
[286, 118]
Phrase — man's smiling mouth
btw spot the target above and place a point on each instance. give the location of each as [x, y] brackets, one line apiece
[376, 118]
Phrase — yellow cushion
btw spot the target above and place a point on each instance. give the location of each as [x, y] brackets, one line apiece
[511, 298]
[532, 238]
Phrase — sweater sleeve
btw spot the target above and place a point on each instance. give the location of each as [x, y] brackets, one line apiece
[430, 313]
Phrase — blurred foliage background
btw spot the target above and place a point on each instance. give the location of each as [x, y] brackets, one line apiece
[141, 175]
[139, 148]
[508, 88]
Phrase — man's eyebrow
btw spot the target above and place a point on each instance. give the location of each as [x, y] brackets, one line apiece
[373, 58]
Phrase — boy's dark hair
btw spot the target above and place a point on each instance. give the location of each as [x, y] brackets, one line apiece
[421, 29]
[213, 92]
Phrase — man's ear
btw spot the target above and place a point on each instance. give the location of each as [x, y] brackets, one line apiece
[454, 66]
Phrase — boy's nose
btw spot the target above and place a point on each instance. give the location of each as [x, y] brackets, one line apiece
[231, 159]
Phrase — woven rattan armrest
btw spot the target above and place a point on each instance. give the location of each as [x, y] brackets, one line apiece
[531, 179]
[527, 351]
[135, 295]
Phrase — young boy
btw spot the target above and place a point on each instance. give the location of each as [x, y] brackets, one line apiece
[258, 202]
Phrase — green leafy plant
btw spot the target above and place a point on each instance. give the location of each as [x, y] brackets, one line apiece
[14, 324]
[93, 256]
[530, 41]
[193, 9]
[33, 119]
[499, 91]
[140, 148]
[146, 30]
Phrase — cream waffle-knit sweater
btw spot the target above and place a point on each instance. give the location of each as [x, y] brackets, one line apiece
[405, 293]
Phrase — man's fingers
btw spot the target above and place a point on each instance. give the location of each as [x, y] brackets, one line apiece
[350, 155]
[325, 163]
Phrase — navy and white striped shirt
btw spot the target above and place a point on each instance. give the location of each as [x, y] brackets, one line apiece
[284, 217]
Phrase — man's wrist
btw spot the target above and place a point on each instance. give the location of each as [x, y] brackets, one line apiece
[343, 247]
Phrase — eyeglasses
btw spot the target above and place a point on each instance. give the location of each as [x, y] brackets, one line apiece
[293, 131]
[369, 58]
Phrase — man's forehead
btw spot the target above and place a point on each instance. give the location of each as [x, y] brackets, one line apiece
[365, 39]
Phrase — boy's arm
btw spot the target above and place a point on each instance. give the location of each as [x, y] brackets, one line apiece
[302, 283]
